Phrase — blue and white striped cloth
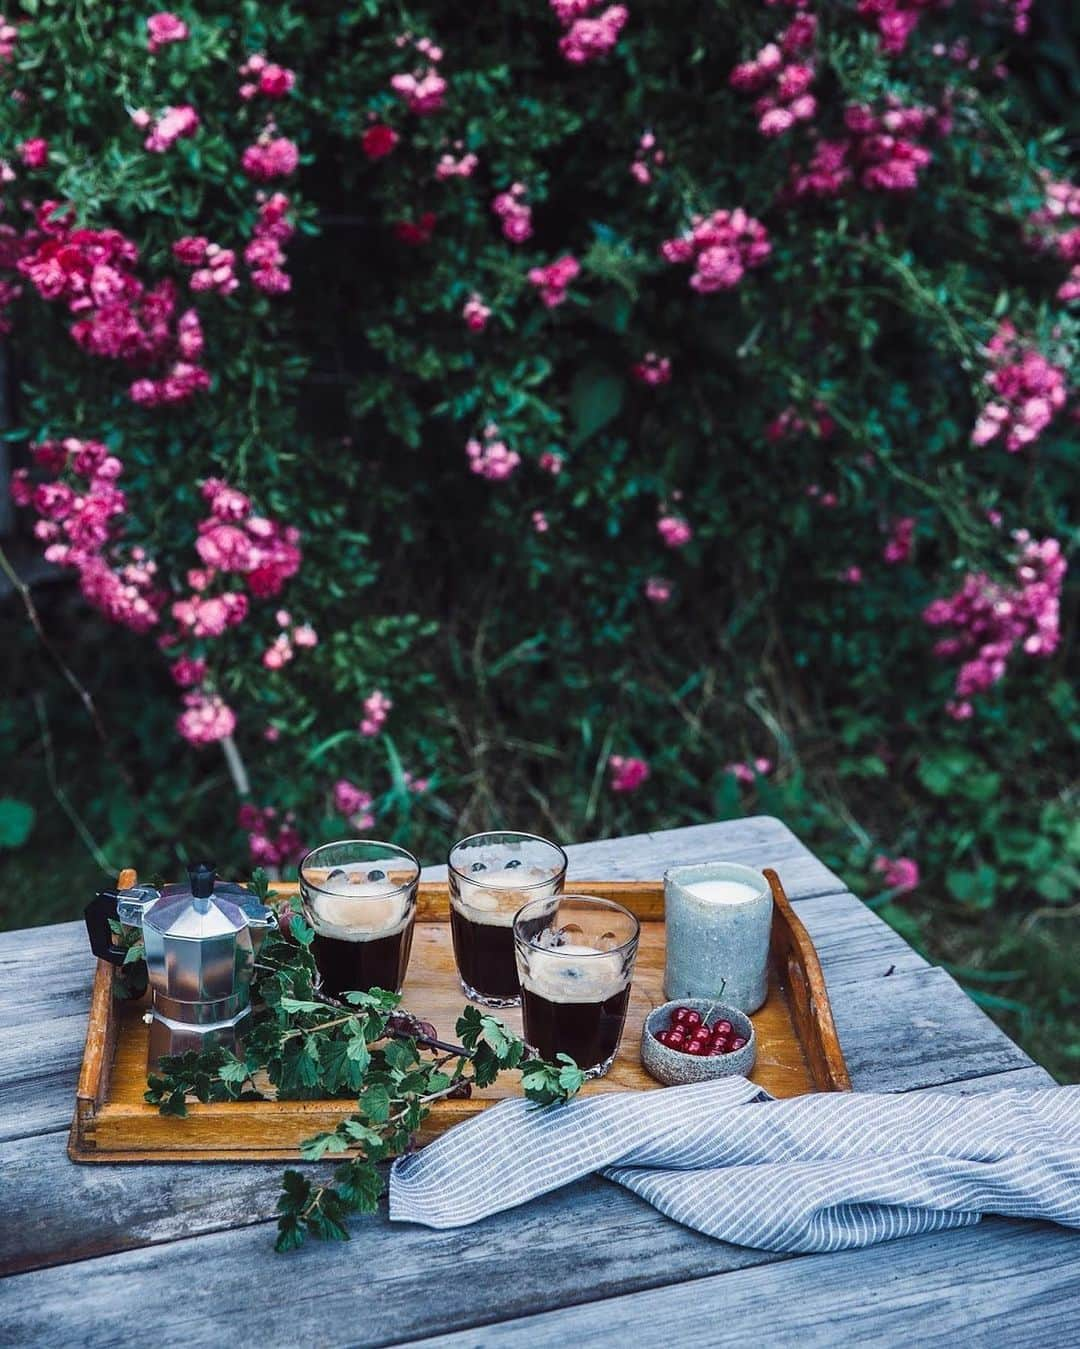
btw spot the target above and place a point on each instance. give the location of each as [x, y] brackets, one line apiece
[817, 1173]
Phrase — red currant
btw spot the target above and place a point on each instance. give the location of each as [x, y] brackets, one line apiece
[679, 1015]
[717, 1050]
[675, 1039]
[696, 1048]
[692, 1018]
[738, 1042]
[722, 1028]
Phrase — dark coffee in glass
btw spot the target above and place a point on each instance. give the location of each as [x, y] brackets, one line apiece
[490, 877]
[359, 896]
[575, 956]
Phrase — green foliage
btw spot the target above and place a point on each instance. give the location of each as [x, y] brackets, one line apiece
[519, 661]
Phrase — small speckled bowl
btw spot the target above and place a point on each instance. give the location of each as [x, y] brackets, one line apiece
[675, 1069]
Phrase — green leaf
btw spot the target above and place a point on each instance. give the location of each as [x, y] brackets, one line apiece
[596, 398]
[375, 1103]
[301, 1005]
[16, 822]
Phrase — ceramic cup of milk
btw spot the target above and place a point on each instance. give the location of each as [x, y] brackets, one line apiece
[718, 917]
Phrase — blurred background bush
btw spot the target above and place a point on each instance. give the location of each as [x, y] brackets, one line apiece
[585, 551]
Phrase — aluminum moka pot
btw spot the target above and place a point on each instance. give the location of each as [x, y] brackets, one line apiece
[201, 941]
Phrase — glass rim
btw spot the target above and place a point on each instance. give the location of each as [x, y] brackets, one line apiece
[747, 874]
[394, 848]
[516, 833]
[600, 901]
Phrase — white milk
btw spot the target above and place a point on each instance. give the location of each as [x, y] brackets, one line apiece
[722, 892]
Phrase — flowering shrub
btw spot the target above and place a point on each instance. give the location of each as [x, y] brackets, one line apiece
[561, 418]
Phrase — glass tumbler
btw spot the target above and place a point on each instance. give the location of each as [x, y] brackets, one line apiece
[575, 957]
[359, 896]
[490, 877]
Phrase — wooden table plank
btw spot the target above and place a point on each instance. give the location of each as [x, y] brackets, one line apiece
[1000, 1282]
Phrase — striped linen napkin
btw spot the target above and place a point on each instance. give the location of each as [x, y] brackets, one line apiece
[816, 1173]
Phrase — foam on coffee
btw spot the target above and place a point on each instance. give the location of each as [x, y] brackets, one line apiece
[492, 898]
[357, 910]
[557, 976]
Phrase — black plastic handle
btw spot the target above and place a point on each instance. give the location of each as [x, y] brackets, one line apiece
[97, 913]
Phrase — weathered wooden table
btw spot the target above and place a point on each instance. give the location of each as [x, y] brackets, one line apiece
[181, 1255]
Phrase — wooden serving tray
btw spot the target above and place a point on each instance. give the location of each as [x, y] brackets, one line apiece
[798, 1048]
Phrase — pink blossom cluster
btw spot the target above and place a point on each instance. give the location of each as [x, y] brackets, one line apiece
[212, 264]
[206, 718]
[748, 772]
[554, 280]
[782, 84]
[514, 213]
[164, 28]
[898, 873]
[901, 540]
[119, 318]
[170, 126]
[490, 457]
[271, 156]
[260, 76]
[464, 166]
[896, 20]
[674, 530]
[992, 619]
[78, 509]
[423, 91]
[540, 523]
[658, 589]
[552, 463]
[376, 709]
[1028, 392]
[281, 649]
[475, 313]
[647, 153]
[233, 540]
[588, 35]
[627, 773]
[354, 803]
[881, 152]
[271, 844]
[264, 254]
[652, 369]
[722, 247]
[188, 671]
[1055, 228]
[790, 423]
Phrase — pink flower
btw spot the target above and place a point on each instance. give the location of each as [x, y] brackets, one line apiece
[34, 153]
[164, 28]
[852, 576]
[353, 801]
[475, 313]
[376, 709]
[206, 719]
[553, 280]
[270, 157]
[589, 38]
[652, 369]
[305, 636]
[514, 213]
[278, 653]
[627, 774]
[551, 463]
[187, 672]
[378, 141]
[658, 589]
[449, 167]
[901, 540]
[491, 457]
[422, 93]
[674, 530]
[171, 126]
[899, 873]
[1028, 391]
[540, 522]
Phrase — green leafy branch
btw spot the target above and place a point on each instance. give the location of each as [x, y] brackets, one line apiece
[305, 1045]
